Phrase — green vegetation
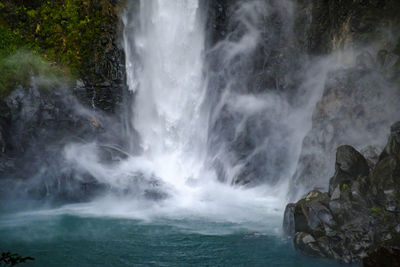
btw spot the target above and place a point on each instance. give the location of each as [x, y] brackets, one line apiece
[376, 209]
[12, 259]
[9, 42]
[52, 35]
[21, 66]
[345, 187]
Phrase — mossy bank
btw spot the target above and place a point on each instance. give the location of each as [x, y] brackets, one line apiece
[77, 39]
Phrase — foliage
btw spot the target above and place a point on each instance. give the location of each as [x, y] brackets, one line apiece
[62, 31]
[9, 42]
[12, 259]
[376, 209]
[345, 187]
[21, 66]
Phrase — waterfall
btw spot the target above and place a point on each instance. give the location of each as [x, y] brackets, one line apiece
[170, 114]
[168, 81]
[211, 133]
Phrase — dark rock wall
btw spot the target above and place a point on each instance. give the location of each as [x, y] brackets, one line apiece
[42, 114]
[356, 105]
[271, 63]
[360, 98]
[359, 216]
[340, 23]
[104, 73]
[79, 37]
[38, 124]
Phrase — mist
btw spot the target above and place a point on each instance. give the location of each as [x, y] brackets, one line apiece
[209, 127]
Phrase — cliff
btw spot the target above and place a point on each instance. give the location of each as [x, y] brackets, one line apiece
[361, 96]
[75, 39]
[62, 77]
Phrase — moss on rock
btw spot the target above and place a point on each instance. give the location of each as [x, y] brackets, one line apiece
[68, 34]
[22, 65]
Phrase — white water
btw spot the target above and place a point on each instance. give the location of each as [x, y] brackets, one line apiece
[165, 51]
[169, 84]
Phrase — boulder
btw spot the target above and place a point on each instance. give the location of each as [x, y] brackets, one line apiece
[42, 122]
[393, 145]
[350, 165]
[306, 243]
[351, 161]
[310, 215]
[360, 217]
[371, 154]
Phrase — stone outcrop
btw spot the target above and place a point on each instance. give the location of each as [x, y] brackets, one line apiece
[360, 97]
[34, 130]
[40, 112]
[359, 216]
[356, 103]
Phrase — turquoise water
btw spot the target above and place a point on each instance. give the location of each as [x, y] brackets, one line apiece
[71, 240]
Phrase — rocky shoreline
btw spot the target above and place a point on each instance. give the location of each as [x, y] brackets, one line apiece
[358, 219]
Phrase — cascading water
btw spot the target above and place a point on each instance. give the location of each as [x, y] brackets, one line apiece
[213, 127]
[165, 53]
[211, 142]
[169, 87]
[221, 96]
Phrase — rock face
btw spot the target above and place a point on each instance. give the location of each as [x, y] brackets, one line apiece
[4, 122]
[356, 103]
[359, 98]
[38, 117]
[384, 254]
[264, 66]
[333, 25]
[359, 216]
[350, 165]
[34, 128]
[81, 37]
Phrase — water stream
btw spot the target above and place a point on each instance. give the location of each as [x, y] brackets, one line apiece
[181, 196]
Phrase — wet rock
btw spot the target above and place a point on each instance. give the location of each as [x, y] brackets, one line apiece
[385, 180]
[365, 61]
[349, 166]
[393, 145]
[307, 244]
[288, 220]
[336, 193]
[2, 139]
[371, 154]
[351, 161]
[309, 215]
[41, 123]
[359, 219]
[155, 194]
[6, 164]
[385, 254]
[349, 112]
